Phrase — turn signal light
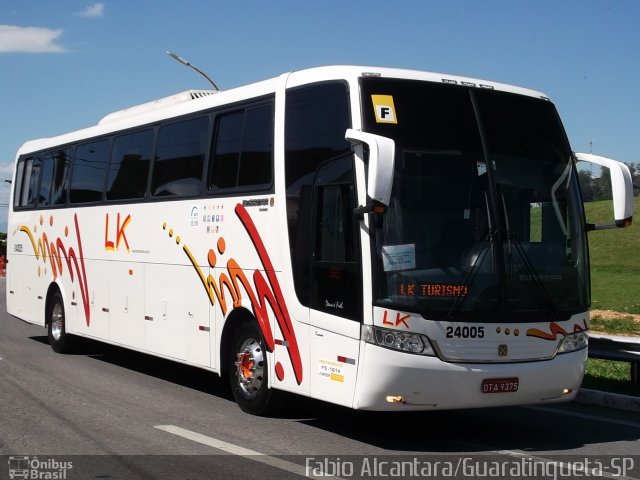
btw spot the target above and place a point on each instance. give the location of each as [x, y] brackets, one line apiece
[395, 399]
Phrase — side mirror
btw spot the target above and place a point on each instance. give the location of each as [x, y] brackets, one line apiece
[381, 162]
[621, 186]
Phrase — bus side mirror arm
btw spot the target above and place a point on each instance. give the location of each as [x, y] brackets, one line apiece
[622, 186]
[370, 207]
[379, 171]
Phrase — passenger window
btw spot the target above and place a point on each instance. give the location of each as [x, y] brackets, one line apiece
[180, 153]
[27, 179]
[46, 178]
[19, 181]
[34, 179]
[227, 150]
[243, 149]
[60, 160]
[129, 166]
[88, 173]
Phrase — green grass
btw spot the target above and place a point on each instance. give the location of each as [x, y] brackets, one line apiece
[615, 326]
[615, 261]
[609, 376]
[615, 285]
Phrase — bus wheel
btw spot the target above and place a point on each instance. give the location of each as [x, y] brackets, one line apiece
[58, 337]
[248, 372]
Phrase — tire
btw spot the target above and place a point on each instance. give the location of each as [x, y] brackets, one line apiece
[59, 339]
[248, 371]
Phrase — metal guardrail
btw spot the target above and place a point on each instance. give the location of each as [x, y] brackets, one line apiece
[617, 348]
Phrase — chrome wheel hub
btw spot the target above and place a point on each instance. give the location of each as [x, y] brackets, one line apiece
[250, 367]
[57, 321]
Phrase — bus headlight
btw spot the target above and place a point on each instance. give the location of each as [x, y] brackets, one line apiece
[574, 341]
[397, 340]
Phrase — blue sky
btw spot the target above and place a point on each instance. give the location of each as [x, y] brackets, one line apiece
[64, 64]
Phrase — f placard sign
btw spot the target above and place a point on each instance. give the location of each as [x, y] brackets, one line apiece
[384, 109]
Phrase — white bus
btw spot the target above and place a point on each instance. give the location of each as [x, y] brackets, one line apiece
[382, 239]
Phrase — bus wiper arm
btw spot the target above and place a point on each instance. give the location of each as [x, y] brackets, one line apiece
[480, 253]
[527, 263]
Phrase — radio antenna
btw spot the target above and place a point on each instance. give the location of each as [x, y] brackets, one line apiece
[186, 63]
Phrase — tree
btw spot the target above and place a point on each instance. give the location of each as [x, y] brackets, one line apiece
[599, 188]
[634, 168]
[595, 188]
[585, 179]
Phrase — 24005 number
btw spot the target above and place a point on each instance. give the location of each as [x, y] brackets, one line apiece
[465, 332]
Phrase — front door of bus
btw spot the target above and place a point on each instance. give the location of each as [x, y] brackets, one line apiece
[335, 292]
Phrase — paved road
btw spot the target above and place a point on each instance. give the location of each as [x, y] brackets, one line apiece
[113, 413]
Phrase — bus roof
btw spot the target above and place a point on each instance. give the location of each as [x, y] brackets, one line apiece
[192, 101]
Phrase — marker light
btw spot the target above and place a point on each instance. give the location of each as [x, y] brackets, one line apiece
[395, 399]
[397, 340]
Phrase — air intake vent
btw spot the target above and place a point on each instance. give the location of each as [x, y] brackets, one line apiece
[200, 93]
[176, 99]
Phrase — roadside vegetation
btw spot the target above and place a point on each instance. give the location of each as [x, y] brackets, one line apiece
[615, 323]
[609, 376]
[615, 290]
[615, 261]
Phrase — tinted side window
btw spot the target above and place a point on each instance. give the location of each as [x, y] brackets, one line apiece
[27, 178]
[243, 149]
[336, 282]
[316, 119]
[60, 160]
[34, 178]
[129, 165]
[41, 181]
[333, 198]
[88, 172]
[19, 182]
[46, 179]
[228, 145]
[180, 152]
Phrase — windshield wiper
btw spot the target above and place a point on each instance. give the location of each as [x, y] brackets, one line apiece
[478, 256]
[528, 265]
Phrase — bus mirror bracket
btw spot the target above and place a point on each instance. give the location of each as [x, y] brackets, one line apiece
[380, 169]
[370, 207]
[622, 190]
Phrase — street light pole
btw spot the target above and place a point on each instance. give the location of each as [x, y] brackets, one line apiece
[186, 63]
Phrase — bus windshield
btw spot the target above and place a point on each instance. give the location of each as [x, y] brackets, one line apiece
[485, 220]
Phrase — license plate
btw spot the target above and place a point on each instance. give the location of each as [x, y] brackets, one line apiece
[500, 385]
